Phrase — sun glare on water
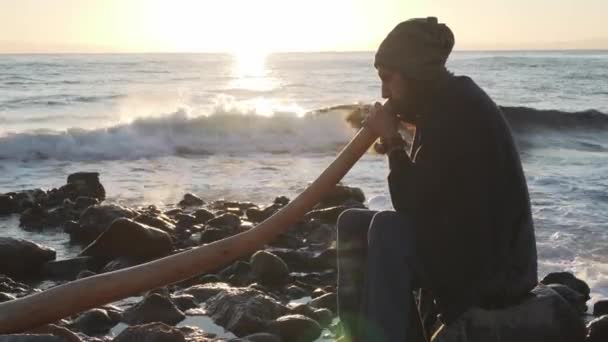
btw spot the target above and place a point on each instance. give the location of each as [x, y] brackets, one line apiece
[250, 72]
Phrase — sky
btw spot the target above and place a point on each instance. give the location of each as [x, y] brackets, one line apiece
[287, 25]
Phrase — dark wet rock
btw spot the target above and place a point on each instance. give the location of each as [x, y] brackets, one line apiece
[5, 297]
[281, 200]
[340, 195]
[269, 269]
[85, 274]
[10, 286]
[575, 299]
[230, 222]
[238, 273]
[323, 236]
[199, 280]
[93, 322]
[96, 219]
[302, 309]
[38, 218]
[153, 332]
[323, 316]
[191, 200]
[330, 214]
[295, 292]
[84, 184]
[185, 302]
[544, 316]
[120, 263]
[29, 198]
[259, 215]
[297, 328]
[31, 338]
[22, 258]
[211, 234]
[201, 216]
[568, 279]
[8, 205]
[600, 308]
[259, 337]
[305, 260]
[203, 292]
[598, 330]
[114, 312]
[184, 221]
[173, 212]
[117, 241]
[83, 202]
[153, 308]
[70, 268]
[326, 301]
[34, 218]
[158, 221]
[244, 311]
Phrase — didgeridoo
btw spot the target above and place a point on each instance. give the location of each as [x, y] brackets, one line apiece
[64, 300]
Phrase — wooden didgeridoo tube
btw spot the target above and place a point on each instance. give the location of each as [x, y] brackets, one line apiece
[68, 299]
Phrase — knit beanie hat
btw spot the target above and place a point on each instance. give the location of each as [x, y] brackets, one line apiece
[417, 47]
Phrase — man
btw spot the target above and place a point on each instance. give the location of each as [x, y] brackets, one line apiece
[463, 226]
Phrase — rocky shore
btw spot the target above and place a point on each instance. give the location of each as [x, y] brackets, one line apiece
[286, 292]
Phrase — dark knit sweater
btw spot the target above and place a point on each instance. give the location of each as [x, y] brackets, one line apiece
[464, 186]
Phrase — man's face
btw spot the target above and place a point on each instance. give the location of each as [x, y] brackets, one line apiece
[396, 90]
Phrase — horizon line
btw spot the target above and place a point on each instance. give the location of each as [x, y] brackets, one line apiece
[290, 52]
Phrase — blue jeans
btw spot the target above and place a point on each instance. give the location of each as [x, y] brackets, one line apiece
[377, 274]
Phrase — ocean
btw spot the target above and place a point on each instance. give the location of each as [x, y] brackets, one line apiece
[254, 127]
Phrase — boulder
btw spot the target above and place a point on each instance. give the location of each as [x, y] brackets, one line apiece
[96, 219]
[201, 216]
[22, 258]
[203, 292]
[185, 302]
[244, 311]
[323, 316]
[544, 316]
[229, 222]
[83, 202]
[269, 269]
[153, 308]
[259, 337]
[211, 234]
[152, 332]
[297, 328]
[84, 184]
[327, 301]
[600, 308]
[340, 195]
[568, 279]
[31, 338]
[93, 322]
[259, 215]
[575, 299]
[598, 330]
[29, 198]
[119, 239]
[70, 268]
[158, 221]
[12, 287]
[191, 200]
[8, 205]
[330, 215]
[120, 263]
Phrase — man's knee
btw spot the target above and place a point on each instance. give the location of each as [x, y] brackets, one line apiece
[387, 226]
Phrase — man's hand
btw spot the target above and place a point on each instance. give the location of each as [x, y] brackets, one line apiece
[382, 121]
